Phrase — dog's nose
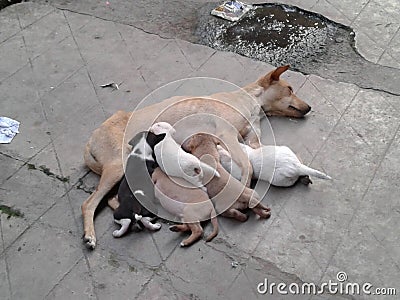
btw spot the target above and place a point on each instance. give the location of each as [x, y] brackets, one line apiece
[307, 110]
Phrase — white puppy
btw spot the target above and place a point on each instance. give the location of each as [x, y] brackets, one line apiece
[174, 161]
[276, 164]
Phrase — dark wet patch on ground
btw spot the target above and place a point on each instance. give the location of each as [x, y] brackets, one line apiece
[312, 44]
[10, 212]
[277, 34]
[47, 171]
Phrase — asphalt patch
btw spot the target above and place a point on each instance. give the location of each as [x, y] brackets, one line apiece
[310, 43]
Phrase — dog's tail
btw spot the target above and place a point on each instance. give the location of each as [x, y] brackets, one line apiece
[214, 223]
[208, 169]
[304, 170]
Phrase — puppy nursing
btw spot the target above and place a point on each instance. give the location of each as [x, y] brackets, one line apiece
[136, 189]
[177, 181]
[185, 201]
[229, 195]
[277, 165]
[176, 162]
[191, 205]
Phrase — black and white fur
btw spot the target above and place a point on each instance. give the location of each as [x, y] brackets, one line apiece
[140, 165]
[174, 161]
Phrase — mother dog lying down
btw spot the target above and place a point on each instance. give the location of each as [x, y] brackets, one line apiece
[103, 153]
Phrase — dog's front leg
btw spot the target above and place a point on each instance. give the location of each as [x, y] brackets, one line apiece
[252, 138]
[109, 178]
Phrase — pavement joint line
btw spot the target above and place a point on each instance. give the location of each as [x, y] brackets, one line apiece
[305, 244]
[356, 209]
[113, 21]
[37, 20]
[273, 221]
[383, 246]
[57, 43]
[144, 286]
[162, 48]
[339, 11]
[359, 13]
[63, 277]
[388, 44]
[25, 162]
[184, 55]
[85, 65]
[29, 226]
[391, 56]
[78, 228]
[15, 72]
[348, 124]
[90, 272]
[312, 6]
[207, 60]
[5, 259]
[133, 60]
[59, 166]
[383, 8]
[243, 271]
[334, 127]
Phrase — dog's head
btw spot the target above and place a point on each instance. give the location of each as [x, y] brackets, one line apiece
[201, 141]
[162, 127]
[277, 97]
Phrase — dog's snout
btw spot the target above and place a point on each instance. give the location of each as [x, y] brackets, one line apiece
[307, 110]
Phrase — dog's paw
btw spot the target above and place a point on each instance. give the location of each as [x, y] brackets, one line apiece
[182, 244]
[156, 226]
[173, 228]
[90, 242]
[264, 213]
[116, 233]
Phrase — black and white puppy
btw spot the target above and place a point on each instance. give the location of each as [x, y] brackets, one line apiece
[136, 198]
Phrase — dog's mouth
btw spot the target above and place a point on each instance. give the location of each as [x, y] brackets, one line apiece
[299, 112]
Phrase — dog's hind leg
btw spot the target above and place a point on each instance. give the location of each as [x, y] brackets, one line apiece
[263, 211]
[179, 228]
[197, 232]
[113, 202]
[147, 223]
[111, 175]
[235, 214]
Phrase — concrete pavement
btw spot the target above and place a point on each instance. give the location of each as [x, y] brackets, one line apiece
[51, 65]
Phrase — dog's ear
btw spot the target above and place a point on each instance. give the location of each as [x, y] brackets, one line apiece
[136, 138]
[188, 145]
[272, 76]
[153, 139]
[278, 72]
[160, 137]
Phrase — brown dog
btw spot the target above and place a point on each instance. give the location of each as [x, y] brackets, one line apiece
[228, 194]
[103, 153]
[191, 205]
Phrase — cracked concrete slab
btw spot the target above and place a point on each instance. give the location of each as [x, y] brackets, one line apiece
[347, 224]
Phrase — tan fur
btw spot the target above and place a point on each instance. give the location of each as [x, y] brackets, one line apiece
[227, 193]
[196, 206]
[106, 148]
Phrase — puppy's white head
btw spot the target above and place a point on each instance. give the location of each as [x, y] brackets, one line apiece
[162, 127]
